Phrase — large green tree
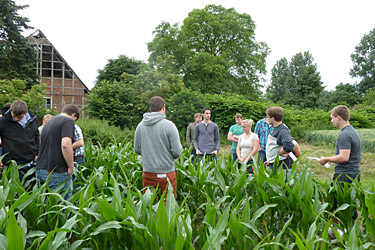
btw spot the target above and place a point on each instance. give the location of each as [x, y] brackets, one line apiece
[17, 57]
[364, 62]
[215, 50]
[296, 83]
[115, 68]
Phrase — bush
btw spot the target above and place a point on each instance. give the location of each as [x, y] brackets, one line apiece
[100, 132]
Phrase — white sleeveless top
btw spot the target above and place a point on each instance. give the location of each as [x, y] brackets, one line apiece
[247, 144]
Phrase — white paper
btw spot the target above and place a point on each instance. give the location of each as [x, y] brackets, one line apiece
[327, 165]
[291, 155]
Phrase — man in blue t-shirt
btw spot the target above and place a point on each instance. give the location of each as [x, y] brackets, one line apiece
[234, 132]
[262, 129]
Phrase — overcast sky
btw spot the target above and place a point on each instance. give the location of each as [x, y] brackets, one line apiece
[89, 32]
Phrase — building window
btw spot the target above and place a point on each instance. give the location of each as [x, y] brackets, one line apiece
[48, 102]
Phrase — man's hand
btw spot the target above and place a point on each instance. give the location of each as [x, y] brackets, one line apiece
[266, 163]
[70, 171]
[323, 160]
[198, 152]
[214, 152]
[1, 165]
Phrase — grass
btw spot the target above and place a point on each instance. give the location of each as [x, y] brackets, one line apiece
[321, 173]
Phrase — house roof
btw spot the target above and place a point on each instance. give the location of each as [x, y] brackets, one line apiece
[38, 38]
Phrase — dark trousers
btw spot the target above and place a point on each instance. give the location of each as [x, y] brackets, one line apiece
[208, 156]
[343, 178]
[262, 156]
[249, 166]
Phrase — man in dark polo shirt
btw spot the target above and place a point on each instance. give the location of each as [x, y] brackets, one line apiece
[56, 151]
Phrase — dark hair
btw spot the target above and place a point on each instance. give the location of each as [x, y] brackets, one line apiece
[18, 108]
[156, 103]
[341, 111]
[276, 113]
[71, 109]
[204, 110]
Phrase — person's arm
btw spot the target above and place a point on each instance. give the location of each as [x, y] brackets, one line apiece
[78, 144]
[67, 151]
[342, 157]
[196, 135]
[175, 144]
[257, 128]
[137, 143]
[238, 151]
[188, 136]
[231, 137]
[217, 139]
[296, 150]
[286, 142]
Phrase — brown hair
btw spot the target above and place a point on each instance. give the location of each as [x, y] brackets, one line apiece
[276, 113]
[18, 108]
[156, 103]
[238, 115]
[71, 109]
[341, 111]
[197, 115]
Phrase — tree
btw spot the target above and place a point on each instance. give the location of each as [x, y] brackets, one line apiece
[297, 83]
[16, 89]
[113, 102]
[115, 68]
[279, 80]
[215, 50]
[17, 57]
[346, 94]
[364, 62]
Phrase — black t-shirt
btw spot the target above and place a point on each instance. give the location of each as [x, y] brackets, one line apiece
[50, 154]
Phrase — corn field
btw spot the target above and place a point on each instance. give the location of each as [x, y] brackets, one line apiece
[218, 207]
[330, 136]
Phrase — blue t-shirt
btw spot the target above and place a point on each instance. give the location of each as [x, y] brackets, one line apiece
[236, 130]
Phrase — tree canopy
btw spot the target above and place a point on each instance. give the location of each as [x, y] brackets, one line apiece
[17, 57]
[115, 68]
[296, 83]
[364, 62]
[215, 50]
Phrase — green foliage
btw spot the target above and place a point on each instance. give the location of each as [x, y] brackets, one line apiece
[156, 82]
[369, 98]
[215, 50]
[364, 62]
[114, 102]
[17, 57]
[297, 83]
[15, 89]
[99, 132]
[218, 206]
[182, 106]
[115, 68]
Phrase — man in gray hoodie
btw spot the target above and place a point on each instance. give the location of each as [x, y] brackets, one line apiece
[157, 140]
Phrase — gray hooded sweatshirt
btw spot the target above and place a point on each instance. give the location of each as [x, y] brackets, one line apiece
[157, 140]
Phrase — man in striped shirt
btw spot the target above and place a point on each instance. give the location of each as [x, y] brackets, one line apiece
[263, 129]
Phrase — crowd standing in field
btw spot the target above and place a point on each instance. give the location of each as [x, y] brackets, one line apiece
[58, 144]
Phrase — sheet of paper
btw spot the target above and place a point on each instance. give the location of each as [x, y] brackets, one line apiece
[291, 155]
[327, 165]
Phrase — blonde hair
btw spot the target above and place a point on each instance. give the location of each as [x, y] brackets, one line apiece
[197, 115]
[248, 122]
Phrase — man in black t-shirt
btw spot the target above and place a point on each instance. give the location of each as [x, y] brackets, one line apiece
[56, 151]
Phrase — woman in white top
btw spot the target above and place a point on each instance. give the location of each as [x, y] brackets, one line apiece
[248, 144]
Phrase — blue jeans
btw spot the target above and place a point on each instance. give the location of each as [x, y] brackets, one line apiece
[262, 156]
[233, 151]
[55, 179]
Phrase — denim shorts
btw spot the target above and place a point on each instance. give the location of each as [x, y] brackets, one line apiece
[55, 179]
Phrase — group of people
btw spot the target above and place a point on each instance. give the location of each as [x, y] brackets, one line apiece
[157, 141]
[53, 148]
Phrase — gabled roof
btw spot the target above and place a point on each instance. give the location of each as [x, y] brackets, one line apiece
[38, 38]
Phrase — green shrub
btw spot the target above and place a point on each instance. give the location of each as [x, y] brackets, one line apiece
[100, 132]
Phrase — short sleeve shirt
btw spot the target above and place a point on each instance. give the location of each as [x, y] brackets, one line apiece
[236, 130]
[349, 139]
[50, 154]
